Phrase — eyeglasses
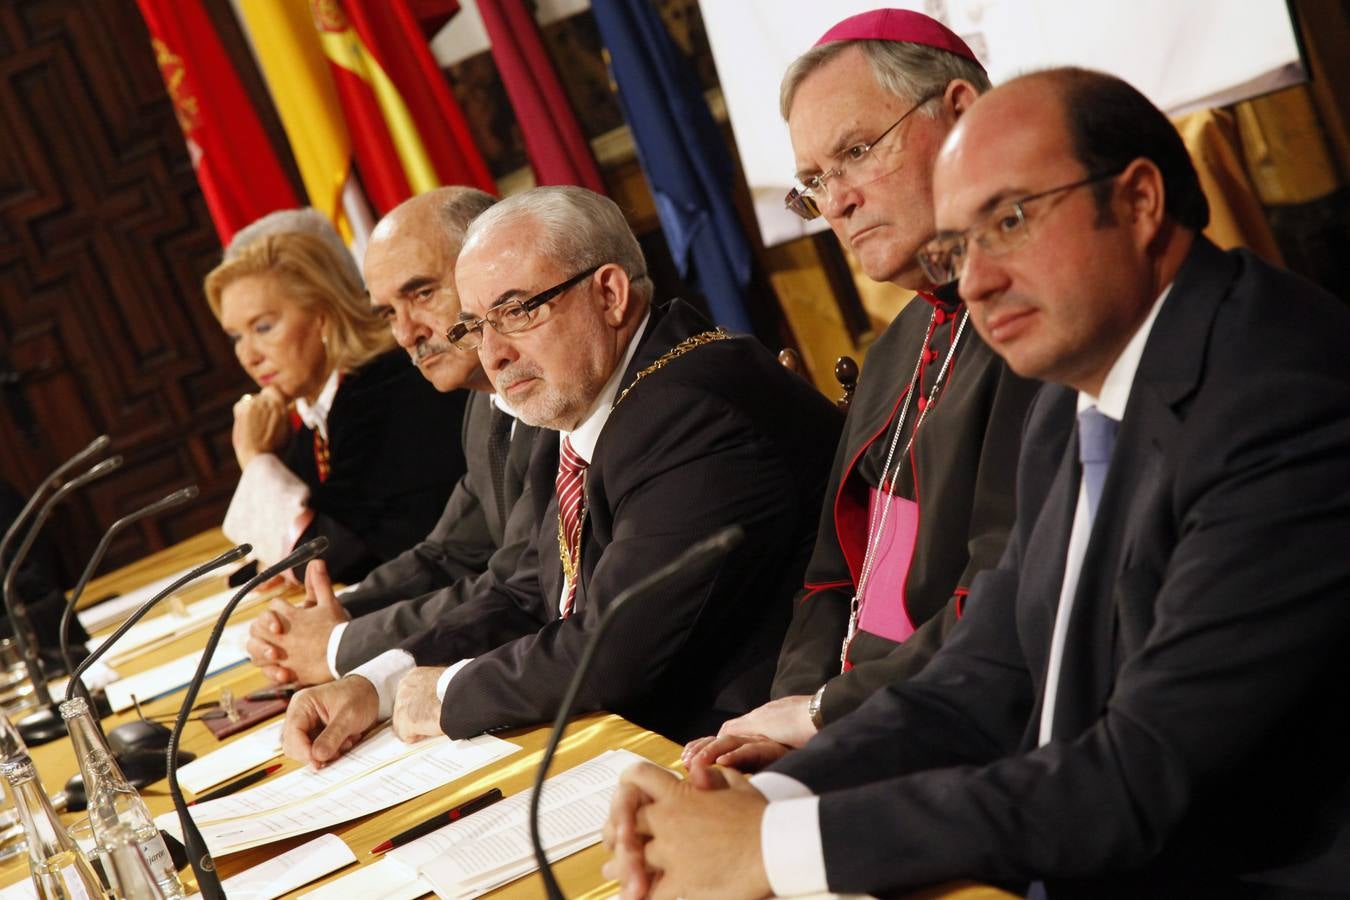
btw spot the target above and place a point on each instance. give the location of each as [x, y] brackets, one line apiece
[943, 259]
[857, 161]
[511, 316]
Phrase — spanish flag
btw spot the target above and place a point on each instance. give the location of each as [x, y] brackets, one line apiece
[407, 131]
[236, 166]
[296, 71]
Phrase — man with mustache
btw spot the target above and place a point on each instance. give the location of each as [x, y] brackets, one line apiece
[670, 430]
[410, 264]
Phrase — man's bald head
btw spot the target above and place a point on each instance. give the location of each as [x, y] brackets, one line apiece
[410, 273]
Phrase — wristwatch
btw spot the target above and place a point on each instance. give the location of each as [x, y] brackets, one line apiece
[813, 708]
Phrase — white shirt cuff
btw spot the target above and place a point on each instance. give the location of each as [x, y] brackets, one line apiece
[334, 641]
[385, 672]
[443, 683]
[266, 504]
[789, 836]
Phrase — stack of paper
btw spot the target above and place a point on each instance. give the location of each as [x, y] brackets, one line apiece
[173, 675]
[150, 633]
[381, 772]
[492, 847]
[111, 612]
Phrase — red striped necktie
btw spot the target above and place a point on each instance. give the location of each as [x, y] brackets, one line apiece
[571, 510]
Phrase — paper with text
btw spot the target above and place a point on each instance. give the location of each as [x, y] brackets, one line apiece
[292, 869]
[175, 675]
[379, 773]
[236, 758]
[492, 847]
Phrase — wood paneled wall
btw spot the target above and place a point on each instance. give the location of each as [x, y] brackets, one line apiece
[104, 240]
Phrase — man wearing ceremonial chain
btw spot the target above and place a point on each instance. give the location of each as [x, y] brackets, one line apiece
[669, 429]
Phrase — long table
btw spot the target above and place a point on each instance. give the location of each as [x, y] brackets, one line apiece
[579, 875]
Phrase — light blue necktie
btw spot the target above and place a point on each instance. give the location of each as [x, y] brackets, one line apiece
[1096, 437]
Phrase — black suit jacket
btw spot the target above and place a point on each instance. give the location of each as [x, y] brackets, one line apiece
[394, 456]
[721, 434]
[1201, 732]
[410, 593]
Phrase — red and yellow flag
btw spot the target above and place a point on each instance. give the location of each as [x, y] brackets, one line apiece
[236, 165]
[407, 131]
[296, 71]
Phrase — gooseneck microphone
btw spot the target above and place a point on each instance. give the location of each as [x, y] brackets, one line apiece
[141, 764]
[96, 446]
[18, 614]
[203, 866]
[694, 565]
[177, 498]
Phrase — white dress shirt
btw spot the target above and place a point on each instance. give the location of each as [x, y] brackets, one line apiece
[389, 668]
[790, 840]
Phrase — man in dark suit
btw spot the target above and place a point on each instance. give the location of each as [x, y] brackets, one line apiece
[670, 430]
[1147, 697]
[409, 267]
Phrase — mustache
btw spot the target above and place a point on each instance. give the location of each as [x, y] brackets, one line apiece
[429, 348]
[515, 372]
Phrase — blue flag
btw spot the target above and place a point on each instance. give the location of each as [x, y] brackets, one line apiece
[682, 153]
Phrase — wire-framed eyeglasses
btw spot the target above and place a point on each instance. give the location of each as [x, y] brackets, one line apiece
[943, 258]
[857, 165]
[512, 315]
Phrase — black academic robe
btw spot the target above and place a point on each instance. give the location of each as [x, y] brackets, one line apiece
[394, 456]
[722, 434]
[960, 471]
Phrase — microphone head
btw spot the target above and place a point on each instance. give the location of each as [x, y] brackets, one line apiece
[98, 470]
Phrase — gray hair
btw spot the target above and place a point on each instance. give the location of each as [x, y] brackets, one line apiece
[457, 207]
[908, 70]
[580, 229]
[306, 220]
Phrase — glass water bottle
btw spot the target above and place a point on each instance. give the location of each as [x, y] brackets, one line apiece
[59, 869]
[114, 804]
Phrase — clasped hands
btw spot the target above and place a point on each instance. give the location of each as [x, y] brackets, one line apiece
[691, 837]
[290, 643]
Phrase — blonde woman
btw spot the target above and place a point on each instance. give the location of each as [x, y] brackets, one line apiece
[344, 438]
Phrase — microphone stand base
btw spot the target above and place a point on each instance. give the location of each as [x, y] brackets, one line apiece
[41, 727]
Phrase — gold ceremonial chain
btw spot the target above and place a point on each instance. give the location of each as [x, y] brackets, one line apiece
[674, 353]
[572, 567]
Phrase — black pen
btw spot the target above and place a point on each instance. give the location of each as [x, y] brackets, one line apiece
[468, 807]
[280, 692]
[237, 785]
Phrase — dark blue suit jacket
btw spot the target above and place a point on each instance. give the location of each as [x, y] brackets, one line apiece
[1202, 732]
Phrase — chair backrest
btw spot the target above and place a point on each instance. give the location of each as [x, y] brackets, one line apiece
[846, 373]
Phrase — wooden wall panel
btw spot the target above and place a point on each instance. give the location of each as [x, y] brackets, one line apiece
[104, 240]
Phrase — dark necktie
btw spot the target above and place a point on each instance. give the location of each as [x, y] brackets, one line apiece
[1096, 438]
[571, 499]
[499, 445]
